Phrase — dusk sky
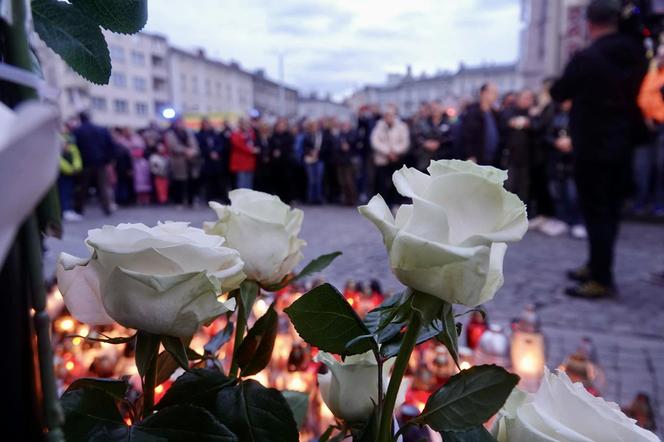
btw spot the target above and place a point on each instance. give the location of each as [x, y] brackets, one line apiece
[336, 46]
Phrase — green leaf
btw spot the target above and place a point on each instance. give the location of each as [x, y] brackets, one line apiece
[384, 313]
[92, 414]
[147, 347]
[477, 434]
[255, 352]
[113, 387]
[198, 386]
[468, 399]
[390, 348]
[249, 290]
[448, 336]
[218, 340]
[317, 265]
[324, 319]
[255, 413]
[298, 403]
[429, 307]
[122, 16]
[181, 423]
[166, 366]
[73, 36]
[177, 349]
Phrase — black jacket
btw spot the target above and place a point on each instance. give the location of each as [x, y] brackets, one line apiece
[95, 144]
[473, 134]
[603, 82]
[282, 146]
[210, 141]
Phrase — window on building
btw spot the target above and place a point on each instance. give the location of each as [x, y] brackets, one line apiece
[98, 103]
[138, 58]
[157, 61]
[119, 79]
[121, 106]
[159, 106]
[140, 84]
[117, 53]
[141, 108]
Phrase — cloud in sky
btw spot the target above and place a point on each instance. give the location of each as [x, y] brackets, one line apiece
[338, 45]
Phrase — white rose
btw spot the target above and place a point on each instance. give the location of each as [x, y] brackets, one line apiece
[563, 411]
[264, 230]
[450, 243]
[163, 279]
[350, 388]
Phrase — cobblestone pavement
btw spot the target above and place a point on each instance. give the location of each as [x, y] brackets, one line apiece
[628, 331]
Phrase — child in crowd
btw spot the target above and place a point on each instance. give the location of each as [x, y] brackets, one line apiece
[142, 181]
[159, 167]
[70, 166]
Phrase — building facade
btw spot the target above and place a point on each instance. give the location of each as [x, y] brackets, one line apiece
[450, 88]
[138, 89]
[316, 107]
[553, 31]
[272, 99]
[201, 86]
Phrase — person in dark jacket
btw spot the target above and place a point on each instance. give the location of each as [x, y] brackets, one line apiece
[97, 150]
[212, 147]
[603, 82]
[519, 140]
[281, 146]
[344, 159]
[433, 140]
[480, 130]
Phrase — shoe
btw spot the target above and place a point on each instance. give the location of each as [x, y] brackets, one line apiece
[579, 231]
[582, 274]
[71, 216]
[591, 290]
[536, 222]
[553, 227]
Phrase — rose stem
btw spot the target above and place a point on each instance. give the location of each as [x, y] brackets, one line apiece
[400, 366]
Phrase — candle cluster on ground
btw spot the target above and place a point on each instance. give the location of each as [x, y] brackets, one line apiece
[293, 366]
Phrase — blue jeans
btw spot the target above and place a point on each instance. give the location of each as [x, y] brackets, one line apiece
[66, 190]
[566, 200]
[649, 169]
[315, 173]
[244, 180]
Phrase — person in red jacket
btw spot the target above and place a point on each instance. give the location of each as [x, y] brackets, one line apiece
[243, 155]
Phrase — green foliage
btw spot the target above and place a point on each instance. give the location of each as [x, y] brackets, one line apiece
[198, 387]
[72, 30]
[181, 423]
[177, 349]
[298, 403]
[324, 319]
[113, 387]
[256, 413]
[477, 434]
[449, 334]
[468, 399]
[73, 36]
[147, 347]
[255, 352]
[316, 265]
[249, 290]
[91, 414]
[121, 16]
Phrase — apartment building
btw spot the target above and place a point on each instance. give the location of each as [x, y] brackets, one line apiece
[271, 98]
[137, 91]
[203, 86]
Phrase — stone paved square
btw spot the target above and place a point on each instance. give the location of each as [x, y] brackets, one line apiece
[628, 331]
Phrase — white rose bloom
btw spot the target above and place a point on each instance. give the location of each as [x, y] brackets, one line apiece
[264, 230]
[350, 388]
[450, 243]
[163, 279]
[562, 411]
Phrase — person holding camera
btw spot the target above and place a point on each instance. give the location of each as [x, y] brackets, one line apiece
[603, 82]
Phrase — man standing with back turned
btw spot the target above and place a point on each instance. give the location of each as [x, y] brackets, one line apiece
[603, 82]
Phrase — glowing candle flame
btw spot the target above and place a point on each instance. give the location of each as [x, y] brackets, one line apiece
[69, 365]
[66, 325]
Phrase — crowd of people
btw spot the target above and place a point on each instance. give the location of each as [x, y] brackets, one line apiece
[327, 160]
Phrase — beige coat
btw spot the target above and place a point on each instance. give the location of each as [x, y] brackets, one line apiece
[387, 140]
[184, 158]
